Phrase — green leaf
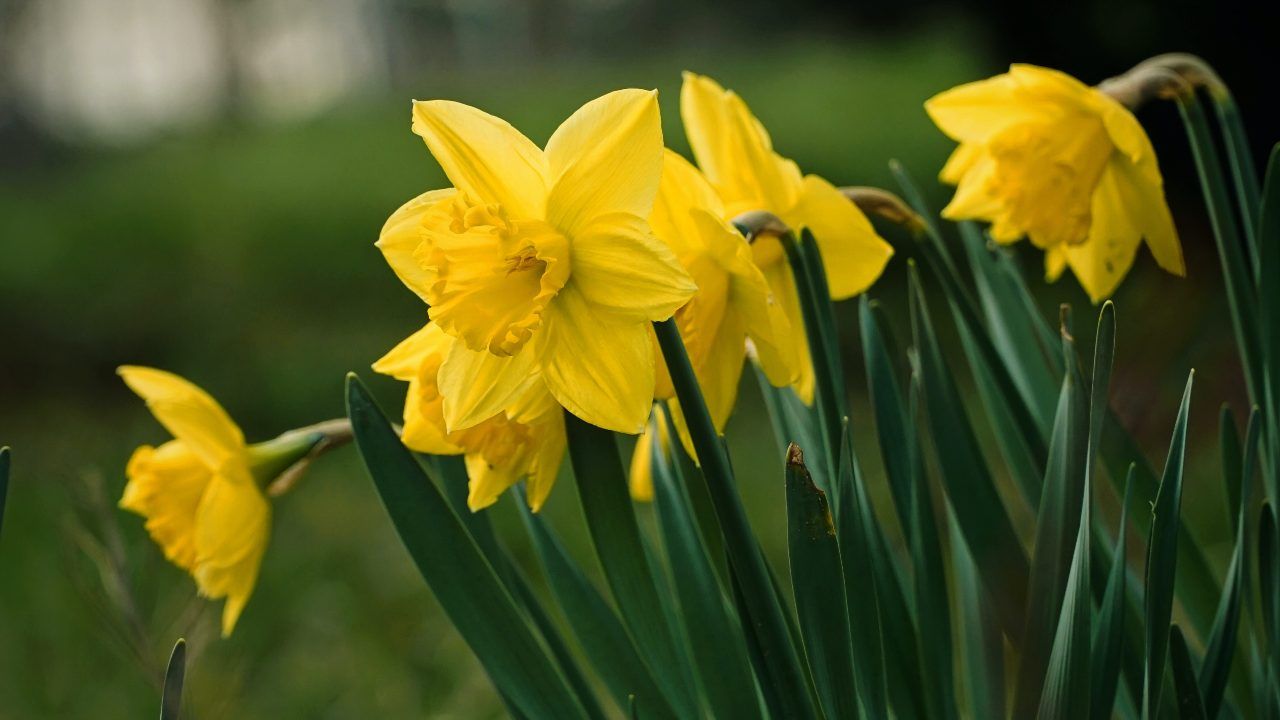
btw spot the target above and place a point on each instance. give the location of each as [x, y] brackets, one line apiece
[174, 674]
[4, 481]
[980, 636]
[1066, 686]
[899, 447]
[1162, 559]
[1241, 290]
[761, 612]
[450, 474]
[715, 636]
[818, 582]
[462, 579]
[792, 421]
[1229, 442]
[1221, 647]
[1190, 705]
[600, 633]
[820, 332]
[1240, 157]
[1269, 307]
[1057, 534]
[1109, 635]
[1269, 576]
[611, 520]
[978, 508]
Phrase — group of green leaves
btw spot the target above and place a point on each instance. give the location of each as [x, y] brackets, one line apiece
[693, 621]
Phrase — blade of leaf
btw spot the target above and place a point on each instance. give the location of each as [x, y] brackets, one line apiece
[1108, 636]
[857, 535]
[1190, 705]
[715, 636]
[600, 633]
[1162, 559]
[611, 521]
[1066, 687]
[1215, 669]
[997, 550]
[174, 674]
[463, 581]
[759, 608]
[1269, 310]
[818, 583]
[980, 636]
[1057, 533]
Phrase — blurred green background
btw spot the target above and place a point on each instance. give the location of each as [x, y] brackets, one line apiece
[197, 186]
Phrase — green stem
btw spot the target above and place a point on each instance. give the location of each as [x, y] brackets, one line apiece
[764, 614]
[1248, 191]
[1235, 267]
[821, 349]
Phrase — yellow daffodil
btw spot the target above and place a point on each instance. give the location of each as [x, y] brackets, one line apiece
[199, 492]
[735, 152]
[525, 441]
[733, 304]
[1044, 156]
[641, 481]
[541, 261]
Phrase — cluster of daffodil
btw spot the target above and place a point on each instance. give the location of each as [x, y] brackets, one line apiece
[604, 283]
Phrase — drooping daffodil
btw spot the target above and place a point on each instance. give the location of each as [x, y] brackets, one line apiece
[734, 151]
[1044, 156]
[541, 262]
[525, 441]
[201, 492]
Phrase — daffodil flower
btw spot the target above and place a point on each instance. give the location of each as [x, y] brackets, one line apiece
[525, 441]
[734, 151]
[199, 492]
[733, 305]
[1047, 157]
[541, 261]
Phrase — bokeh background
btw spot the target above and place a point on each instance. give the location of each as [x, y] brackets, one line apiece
[197, 185]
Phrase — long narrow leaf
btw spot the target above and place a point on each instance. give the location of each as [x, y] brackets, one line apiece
[615, 534]
[761, 611]
[1162, 559]
[982, 660]
[977, 504]
[1109, 634]
[1057, 533]
[174, 675]
[1269, 307]
[715, 636]
[818, 583]
[462, 579]
[1190, 704]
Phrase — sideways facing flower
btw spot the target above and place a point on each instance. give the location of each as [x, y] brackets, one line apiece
[202, 492]
[733, 305]
[1044, 156]
[540, 262]
[736, 155]
[525, 441]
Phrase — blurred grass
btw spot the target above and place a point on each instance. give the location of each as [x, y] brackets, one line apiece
[242, 257]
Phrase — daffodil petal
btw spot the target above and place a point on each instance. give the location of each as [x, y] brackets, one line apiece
[853, 254]
[683, 189]
[598, 365]
[424, 428]
[232, 527]
[618, 263]
[606, 158]
[188, 412]
[549, 445]
[973, 198]
[484, 156]
[765, 322]
[782, 286]
[477, 385]
[734, 150]
[1143, 192]
[487, 482]
[640, 475]
[1055, 261]
[404, 360]
[401, 235]
[973, 112]
[1102, 260]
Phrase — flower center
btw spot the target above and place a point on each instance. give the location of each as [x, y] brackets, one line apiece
[1046, 174]
[490, 276]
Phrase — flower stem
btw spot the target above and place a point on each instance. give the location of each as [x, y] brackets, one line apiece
[763, 614]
